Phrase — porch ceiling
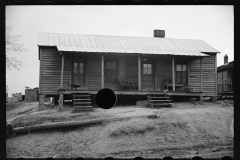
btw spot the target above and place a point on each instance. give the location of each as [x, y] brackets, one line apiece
[120, 44]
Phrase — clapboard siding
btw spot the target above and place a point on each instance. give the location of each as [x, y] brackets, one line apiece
[163, 70]
[94, 72]
[121, 74]
[51, 71]
[225, 80]
[208, 74]
[122, 67]
[132, 67]
[51, 62]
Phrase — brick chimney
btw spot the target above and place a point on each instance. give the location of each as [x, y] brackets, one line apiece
[159, 33]
[225, 59]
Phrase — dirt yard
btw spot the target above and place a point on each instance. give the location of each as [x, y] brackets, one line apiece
[186, 130]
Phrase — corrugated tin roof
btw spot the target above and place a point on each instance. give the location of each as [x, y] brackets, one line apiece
[121, 44]
[225, 66]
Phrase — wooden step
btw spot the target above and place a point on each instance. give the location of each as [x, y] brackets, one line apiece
[159, 97]
[82, 102]
[160, 100]
[82, 106]
[160, 104]
[82, 99]
[81, 95]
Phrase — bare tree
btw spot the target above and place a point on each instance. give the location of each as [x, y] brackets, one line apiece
[13, 46]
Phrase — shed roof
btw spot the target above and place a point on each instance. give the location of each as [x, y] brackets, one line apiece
[225, 66]
[124, 44]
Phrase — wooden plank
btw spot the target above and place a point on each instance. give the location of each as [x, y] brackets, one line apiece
[139, 73]
[86, 73]
[102, 71]
[173, 73]
[61, 98]
[70, 72]
[155, 74]
[82, 102]
[216, 74]
[160, 100]
[63, 57]
[200, 74]
[188, 72]
[40, 70]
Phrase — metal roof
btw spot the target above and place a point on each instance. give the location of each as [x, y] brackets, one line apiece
[122, 44]
[225, 66]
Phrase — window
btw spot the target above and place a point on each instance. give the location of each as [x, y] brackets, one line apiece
[181, 72]
[110, 70]
[147, 68]
[111, 65]
[75, 68]
[78, 68]
[81, 68]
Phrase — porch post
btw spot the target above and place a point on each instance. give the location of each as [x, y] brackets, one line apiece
[188, 71]
[201, 98]
[139, 73]
[41, 101]
[216, 75]
[63, 57]
[173, 73]
[60, 108]
[200, 74]
[102, 71]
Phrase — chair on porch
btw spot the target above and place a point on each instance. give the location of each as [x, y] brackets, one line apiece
[125, 85]
[186, 88]
[166, 83]
[133, 83]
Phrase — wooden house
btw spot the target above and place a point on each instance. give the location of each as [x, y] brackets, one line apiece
[225, 76]
[127, 65]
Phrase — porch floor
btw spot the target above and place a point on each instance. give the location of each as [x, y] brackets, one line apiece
[129, 92]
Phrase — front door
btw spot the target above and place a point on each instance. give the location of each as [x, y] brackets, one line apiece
[79, 72]
[147, 74]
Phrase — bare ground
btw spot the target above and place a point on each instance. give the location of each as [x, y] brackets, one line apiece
[187, 130]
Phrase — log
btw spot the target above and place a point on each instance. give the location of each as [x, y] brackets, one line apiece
[69, 124]
[56, 125]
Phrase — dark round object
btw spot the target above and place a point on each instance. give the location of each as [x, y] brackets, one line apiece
[226, 158]
[50, 158]
[167, 158]
[108, 158]
[138, 158]
[106, 98]
[20, 159]
[79, 158]
[197, 158]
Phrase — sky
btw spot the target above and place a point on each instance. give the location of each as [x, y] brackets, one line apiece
[213, 24]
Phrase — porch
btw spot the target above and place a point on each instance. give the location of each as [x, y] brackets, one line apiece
[140, 72]
[160, 94]
[128, 92]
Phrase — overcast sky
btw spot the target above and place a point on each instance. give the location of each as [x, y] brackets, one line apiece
[213, 24]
